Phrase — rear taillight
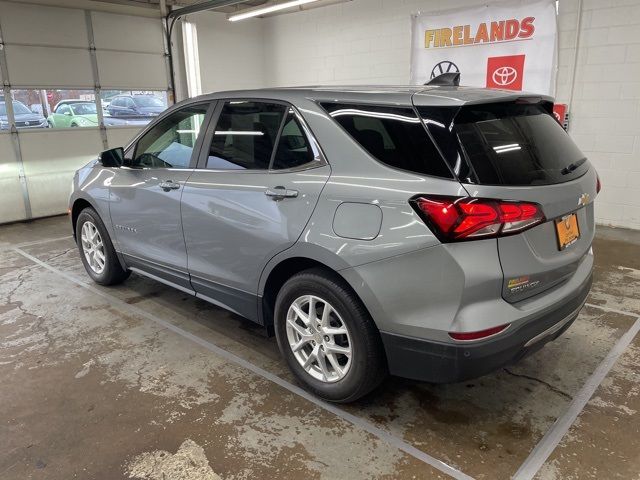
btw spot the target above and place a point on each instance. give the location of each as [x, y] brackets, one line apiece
[479, 335]
[465, 218]
[598, 184]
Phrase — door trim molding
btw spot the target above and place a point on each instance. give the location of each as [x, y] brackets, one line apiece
[162, 273]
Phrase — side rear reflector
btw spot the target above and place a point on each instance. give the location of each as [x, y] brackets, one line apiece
[479, 335]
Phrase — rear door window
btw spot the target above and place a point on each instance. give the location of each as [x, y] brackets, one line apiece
[394, 136]
[245, 135]
[507, 144]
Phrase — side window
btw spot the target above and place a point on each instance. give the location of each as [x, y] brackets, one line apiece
[394, 136]
[129, 103]
[293, 146]
[63, 109]
[170, 142]
[116, 102]
[245, 135]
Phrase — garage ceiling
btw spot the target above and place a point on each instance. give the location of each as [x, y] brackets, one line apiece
[183, 3]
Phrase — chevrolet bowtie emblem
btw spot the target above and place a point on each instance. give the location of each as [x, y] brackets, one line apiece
[583, 199]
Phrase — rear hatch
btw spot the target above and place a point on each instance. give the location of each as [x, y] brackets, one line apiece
[515, 150]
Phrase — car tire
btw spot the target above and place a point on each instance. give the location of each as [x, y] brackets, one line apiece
[96, 250]
[344, 378]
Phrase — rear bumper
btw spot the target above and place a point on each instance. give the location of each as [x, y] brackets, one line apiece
[437, 362]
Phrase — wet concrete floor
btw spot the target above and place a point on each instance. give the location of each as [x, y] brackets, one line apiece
[94, 385]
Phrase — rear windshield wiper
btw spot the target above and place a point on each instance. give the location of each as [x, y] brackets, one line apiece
[572, 166]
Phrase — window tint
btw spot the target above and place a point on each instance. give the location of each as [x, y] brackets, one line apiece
[148, 101]
[293, 146]
[439, 123]
[515, 144]
[169, 144]
[245, 135]
[393, 135]
[82, 108]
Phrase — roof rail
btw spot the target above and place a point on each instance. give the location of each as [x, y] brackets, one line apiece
[449, 79]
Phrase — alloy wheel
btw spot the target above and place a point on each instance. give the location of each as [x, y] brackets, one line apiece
[319, 338]
[93, 247]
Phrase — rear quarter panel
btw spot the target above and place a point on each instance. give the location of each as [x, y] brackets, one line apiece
[356, 177]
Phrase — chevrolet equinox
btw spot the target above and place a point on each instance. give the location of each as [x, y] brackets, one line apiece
[432, 232]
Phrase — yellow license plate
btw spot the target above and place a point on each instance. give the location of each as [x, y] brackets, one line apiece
[567, 230]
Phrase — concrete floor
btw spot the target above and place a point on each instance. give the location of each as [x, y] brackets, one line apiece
[137, 381]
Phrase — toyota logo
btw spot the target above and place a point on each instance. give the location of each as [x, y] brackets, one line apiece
[444, 67]
[504, 76]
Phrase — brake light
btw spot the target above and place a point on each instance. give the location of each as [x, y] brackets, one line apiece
[465, 218]
[598, 184]
[479, 335]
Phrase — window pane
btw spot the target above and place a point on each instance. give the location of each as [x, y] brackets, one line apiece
[244, 136]
[72, 108]
[393, 135]
[53, 108]
[28, 109]
[517, 144]
[293, 147]
[132, 107]
[169, 144]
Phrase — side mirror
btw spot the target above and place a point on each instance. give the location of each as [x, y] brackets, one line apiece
[112, 158]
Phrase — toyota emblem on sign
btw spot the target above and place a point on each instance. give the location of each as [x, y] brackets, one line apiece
[444, 67]
[505, 76]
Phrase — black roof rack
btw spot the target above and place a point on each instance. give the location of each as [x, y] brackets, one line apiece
[449, 79]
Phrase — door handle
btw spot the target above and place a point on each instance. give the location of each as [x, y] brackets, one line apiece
[278, 193]
[169, 185]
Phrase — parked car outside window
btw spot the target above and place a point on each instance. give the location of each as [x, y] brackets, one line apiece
[24, 117]
[74, 113]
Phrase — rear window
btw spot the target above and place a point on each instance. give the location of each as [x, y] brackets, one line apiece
[505, 144]
[394, 136]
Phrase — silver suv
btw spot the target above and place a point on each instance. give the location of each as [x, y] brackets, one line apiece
[435, 233]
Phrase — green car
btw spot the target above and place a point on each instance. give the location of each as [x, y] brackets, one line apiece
[74, 113]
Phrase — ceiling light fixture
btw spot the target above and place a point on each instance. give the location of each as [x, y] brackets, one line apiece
[264, 10]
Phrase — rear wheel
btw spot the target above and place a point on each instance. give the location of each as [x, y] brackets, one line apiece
[327, 337]
[96, 249]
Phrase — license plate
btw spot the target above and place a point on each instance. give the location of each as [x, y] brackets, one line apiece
[567, 230]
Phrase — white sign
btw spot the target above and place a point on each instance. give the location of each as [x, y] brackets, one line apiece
[508, 45]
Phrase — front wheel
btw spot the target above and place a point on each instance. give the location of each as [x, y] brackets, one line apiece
[327, 337]
[96, 250]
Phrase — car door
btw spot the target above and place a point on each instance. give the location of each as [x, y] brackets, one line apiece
[145, 194]
[130, 109]
[250, 198]
[115, 106]
[62, 116]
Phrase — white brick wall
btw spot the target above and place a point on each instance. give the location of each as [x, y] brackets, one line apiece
[605, 115]
[231, 54]
[368, 41]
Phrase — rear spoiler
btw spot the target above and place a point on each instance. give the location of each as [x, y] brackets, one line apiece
[543, 102]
